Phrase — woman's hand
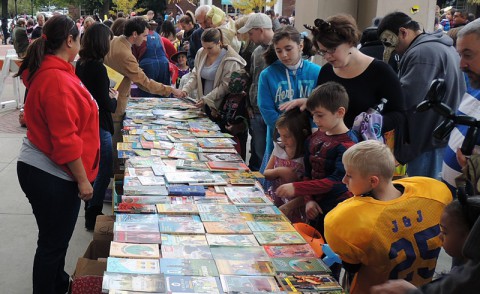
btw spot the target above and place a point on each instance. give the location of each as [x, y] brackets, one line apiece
[85, 190]
[200, 103]
[300, 103]
[312, 209]
[113, 93]
[178, 93]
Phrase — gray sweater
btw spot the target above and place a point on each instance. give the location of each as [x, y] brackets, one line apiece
[257, 66]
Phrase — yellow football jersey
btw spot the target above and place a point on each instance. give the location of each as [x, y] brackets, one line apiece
[396, 239]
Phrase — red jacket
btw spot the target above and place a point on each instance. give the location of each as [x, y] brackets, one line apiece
[62, 116]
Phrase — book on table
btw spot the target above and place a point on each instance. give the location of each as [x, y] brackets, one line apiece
[279, 238]
[193, 284]
[193, 240]
[133, 265]
[309, 283]
[188, 267]
[302, 250]
[247, 267]
[127, 250]
[249, 284]
[239, 252]
[300, 265]
[270, 226]
[231, 240]
[181, 227]
[186, 251]
[232, 227]
[152, 283]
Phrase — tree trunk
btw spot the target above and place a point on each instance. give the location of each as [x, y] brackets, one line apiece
[105, 9]
[4, 8]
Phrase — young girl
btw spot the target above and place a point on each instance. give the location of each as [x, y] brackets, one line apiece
[286, 162]
[180, 60]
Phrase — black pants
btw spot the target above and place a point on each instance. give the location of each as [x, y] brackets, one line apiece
[55, 204]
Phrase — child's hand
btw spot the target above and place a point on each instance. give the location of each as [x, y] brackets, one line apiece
[393, 287]
[462, 159]
[285, 191]
[286, 174]
[312, 209]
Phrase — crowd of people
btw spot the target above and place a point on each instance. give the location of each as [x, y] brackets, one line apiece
[255, 76]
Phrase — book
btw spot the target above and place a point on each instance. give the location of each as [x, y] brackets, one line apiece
[174, 153]
[188, 267]
[215, 217]
[115, 77]
[192, 165]
[173, 208]
[135, 227]
[226, 166]
[270, 226]
[308, 283]
[151, 180]
[184, 190]
[248, 284]
[218, 208]
[239, 252]
[133, 265]
[137, 237]
[246, 175]
[194, 240]
[181, 227]
[249, 200]
[242, 182]
[303, 250]
[216, 143]
[144, 199]
[126, 207]
[232, 227]
[193, 284]
[279, 238]
[186, 251]
[189, 177]
[133, 282]
[134, 250]
[217, 179]
[179, 218]
[303, 265]
[265, 217]
[136, 218]
[265, 209]
[247, 267]
[224, 157]
[231, 240]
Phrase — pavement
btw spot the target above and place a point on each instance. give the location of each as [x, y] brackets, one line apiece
[18, 229]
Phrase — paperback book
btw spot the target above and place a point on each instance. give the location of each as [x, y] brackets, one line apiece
[179, 218]
[218, 208]
[300, 265]
[136, 218]
[248, 267]
[181, 227]
[265, 217]
[185, 190]
[186, 251]
[227, 166]
[304, 250]
[189, 177]
[133, 265]
[308, 283]
[174, 208]
[233, 227]
[193, 284]
[270, 226]
[133, 282]
[127, 250]
[188, 267]
[224, 157]
[231, 240]
[261, 209]
[192, 165]
[279, 238]
[175, 153]
[137, 237]
[145, 199]
[126, 207]
[193, 240]
[239, 252]
[248, 284]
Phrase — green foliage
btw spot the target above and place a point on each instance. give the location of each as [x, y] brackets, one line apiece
[247, 6]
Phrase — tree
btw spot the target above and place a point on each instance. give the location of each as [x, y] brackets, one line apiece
[247, 6]
[194, 2]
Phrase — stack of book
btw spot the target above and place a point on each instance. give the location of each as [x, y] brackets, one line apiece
[193, 218]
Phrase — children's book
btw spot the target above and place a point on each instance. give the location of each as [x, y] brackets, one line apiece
[279, 238]
[249, 200]
[133, 265]
[239, 252]
[192, 165]
[215, 142]
[219, 150]
[242, 182]
[231, 240]
[115, 77]
[133, 282]
[186, 251]
[247, 267]
[189, 177]
[270, 226]
[160, 153]
[179, 218]
[160, 170]
[193, 240]
[308, 283]
[137, 237]
[232, 227]
[265, 217]
[225, 157]
[126, 207]
[181, 227]
[139, 171]
[141, 152]
[249, 284]
[261, 209]
[215, 217]
[193, 284]
[303, 265]
[218, 208]
[174, 153]
[127, 250]
[226, 166]
[145, 199]
[184, 190]
[135, 227]
[151, 180]
[136, 218]
[188, 267]
[217, 179]
[304, 250]
[177, 208]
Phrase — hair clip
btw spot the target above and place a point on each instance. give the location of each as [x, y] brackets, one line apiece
[325, 26]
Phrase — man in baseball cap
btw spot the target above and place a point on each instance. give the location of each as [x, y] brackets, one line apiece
[256, 21]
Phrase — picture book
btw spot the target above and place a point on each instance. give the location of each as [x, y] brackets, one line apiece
[308, 283]
[145, 199]
[186, 251]
[279, 238]
[193, 284]
[218, 208]
[265, 217]
[217, 179]
[242, 182]
[126, 207]
[184, 190]
[160, 170]
[193, 240]
[216, 142]
[247, 267]
[219, 150]
[137, 237]
[232, 227]
[243, 192]
[179, 218]
[175, 153]
[139, 171]
[142, 152]
[136, 218]
[192, 165]
[239, 252]
[134, 250]
[261, 209]
[174, 208]
[249, 200]
[125, 154]
[151, 180]
[133, 282]
[305, 265]
[135, 227]
[303, 250]
[189, 177]
[194, 149]
[231, 240]
[208, 199]
[215, 217]
[115, 77]
[226, 166]
[133, 266]
[270, 226]
[188, 267]
[160, 153]
[225, 157]
[246, 175]
[181, 227]
[248, 284]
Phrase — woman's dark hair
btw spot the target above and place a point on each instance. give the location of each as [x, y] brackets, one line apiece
[298, 124]
[290, 33]
[55, 32]
[108, 23]
[168, 29]
[186, 19]
[136, 24]
[213, 35]
[469, 206]
[118, 26]
[95, 43]
[335, 30]
[396, 20]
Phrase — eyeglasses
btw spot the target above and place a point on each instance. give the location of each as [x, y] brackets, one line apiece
[324, 52]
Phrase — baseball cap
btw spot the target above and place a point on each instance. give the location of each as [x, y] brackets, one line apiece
[256, 20]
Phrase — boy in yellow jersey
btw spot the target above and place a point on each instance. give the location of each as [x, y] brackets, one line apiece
[389, 229]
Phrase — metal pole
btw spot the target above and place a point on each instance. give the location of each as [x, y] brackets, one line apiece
[16, 12]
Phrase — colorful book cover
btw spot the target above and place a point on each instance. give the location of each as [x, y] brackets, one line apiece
[216, 208]
[226, 166]
[145, 199]
[215, 217]
[136, 218]
[270, 226]
[217, 179]
[194, 240]
[308, 283]
[185, 190]
[233, 227]
[189, 177]
[174, 153]
[127, 250]
[188, 267]
[246, 175]
[181, 227]
[193, 284]
[239, 252]
[192, 165]
[279, 238]
[224, 157]
[231, 240]
[265, 217]
[137, 237]
[248, 267]
[219, 150]
[216, 142]
[133, 265]
[115, 77]
[247, 200]
[152, 180]
[174, 208]
[242, 182]
[125, 207]
[303, 250]
[133, 282]
[179, 218]
[249, 284]
[135, 227]
[304, 265]
[159, 152]
[237, 192]
[186, 251]
[266, 209]
[141, 152]
[160, 170]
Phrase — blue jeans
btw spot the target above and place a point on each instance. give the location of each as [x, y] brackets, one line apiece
[105, 169]
[427, 164]
[55, 205]
[258, 132]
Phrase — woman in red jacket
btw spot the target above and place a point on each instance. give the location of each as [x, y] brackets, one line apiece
[59, 157]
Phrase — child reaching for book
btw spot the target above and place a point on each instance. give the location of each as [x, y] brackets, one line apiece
[322, 188]
[286, 162]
